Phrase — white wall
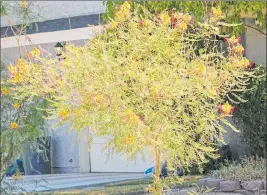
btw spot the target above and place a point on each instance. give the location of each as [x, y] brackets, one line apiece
[50, 10]
[118, 162]
[256, 46]
[65, 151]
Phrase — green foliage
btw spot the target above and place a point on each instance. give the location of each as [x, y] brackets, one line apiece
[252, 115]
[21, 122]
[143, 84]
[252, 168]
[3, 9]
[233, 10]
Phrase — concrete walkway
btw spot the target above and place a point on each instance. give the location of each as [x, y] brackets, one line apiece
[69, 181]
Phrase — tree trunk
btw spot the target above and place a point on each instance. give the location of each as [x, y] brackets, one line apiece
[157, 183]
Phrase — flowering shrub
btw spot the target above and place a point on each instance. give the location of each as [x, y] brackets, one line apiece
[153, 81]
[20, 121]
[231, 11]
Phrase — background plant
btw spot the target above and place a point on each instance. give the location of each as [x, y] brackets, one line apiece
[231, 10]
[252, 114]
[20, 123]
[248, 168]
[151, 81]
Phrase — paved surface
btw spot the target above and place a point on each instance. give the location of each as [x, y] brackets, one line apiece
[69, 181]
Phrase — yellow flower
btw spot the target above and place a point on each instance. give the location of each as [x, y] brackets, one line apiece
[23, 4]
[98, 98]
[183, 26]
[21, 63]
[4, 91]
[165, 18]
[17, 78]
[123, 12]
[12, 69]
[154, 89]
[187, 18]
[226, 109]
[147, 23]
[200, 69]
[16, 105]
[63, 114]
[133, 119]
[133, 24]
[131, 74]
[216, 12]
[14, 125]
[128, 111]
[35, 52]
[129, 140]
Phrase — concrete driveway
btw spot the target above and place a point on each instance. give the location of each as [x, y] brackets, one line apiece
[40, 183]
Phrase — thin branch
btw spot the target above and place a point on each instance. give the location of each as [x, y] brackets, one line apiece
[249, 26]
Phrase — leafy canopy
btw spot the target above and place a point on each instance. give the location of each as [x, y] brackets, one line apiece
[232, 11]
[152, 82]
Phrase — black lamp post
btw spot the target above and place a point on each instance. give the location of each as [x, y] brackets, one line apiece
[58, 49]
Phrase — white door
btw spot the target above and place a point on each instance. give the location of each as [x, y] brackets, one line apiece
[117, 163]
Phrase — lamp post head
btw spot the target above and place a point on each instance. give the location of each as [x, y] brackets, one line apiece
[58, 49]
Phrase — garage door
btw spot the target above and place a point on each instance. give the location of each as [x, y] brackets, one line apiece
[116, 163]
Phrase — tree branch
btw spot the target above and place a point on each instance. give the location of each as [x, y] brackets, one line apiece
[249, 26]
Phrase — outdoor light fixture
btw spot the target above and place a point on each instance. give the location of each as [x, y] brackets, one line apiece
[58, 49]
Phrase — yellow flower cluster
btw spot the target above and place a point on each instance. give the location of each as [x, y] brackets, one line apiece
[36, 52]
[128, 140]
[131, 117]
[4, 91]
[240, 63]
[63, 114]
[14, 125]
[239, 50]
[165, 18]
[16, 105]
[182, 26]
[216, 12]
[23, 4]
[226, 109]
[16, 72]
[123, 12]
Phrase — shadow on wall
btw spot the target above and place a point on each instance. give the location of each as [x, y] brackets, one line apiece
[38, 162]
[64, 151]
[234, 140]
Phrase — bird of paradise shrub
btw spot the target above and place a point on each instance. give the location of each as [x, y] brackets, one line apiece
[145, 86]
